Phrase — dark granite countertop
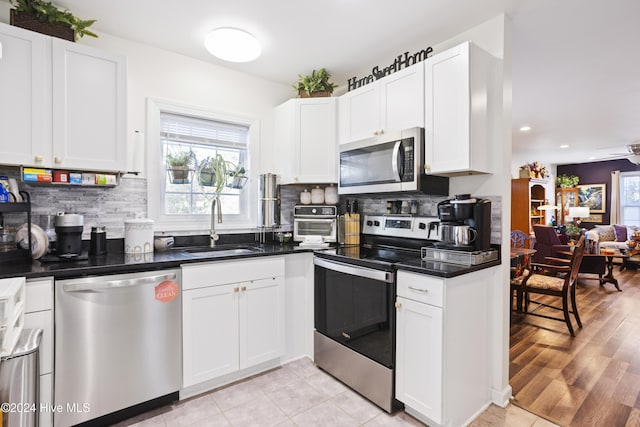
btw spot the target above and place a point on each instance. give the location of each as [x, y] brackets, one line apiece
[116, 262]
[443, 269]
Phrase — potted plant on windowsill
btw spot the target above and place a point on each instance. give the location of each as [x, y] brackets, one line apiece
[316, 84]
[212, 172]
[43, 17]
[180, 165]
[237, 177]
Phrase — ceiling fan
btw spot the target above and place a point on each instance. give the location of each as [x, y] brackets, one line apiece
[633, 154]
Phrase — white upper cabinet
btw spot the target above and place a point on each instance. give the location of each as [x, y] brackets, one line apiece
[458, 97]
[89, 108]
[25, 82]
[65, 103]
[305, 141]
[392, 103]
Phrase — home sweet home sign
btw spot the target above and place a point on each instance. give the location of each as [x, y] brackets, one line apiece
[401, 61]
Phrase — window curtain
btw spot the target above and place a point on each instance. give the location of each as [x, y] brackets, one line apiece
[614, 216]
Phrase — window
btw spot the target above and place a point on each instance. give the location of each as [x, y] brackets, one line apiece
[186, 207]
[630, 198]
[199, 140]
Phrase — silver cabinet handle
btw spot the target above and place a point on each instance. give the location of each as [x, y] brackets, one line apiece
[424, 291]
[93, 285]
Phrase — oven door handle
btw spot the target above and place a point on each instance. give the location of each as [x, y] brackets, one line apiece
[369, 273]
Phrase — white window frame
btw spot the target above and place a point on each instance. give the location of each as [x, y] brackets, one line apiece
[622, 176]
[156, 172]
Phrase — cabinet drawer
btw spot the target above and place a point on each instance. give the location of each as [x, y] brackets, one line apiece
[420, 287]
[39, 295]
[224, 272]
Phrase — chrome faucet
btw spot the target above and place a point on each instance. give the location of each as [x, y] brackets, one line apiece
[213, 236]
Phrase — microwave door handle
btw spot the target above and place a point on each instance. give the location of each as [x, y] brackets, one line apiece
[396, 158]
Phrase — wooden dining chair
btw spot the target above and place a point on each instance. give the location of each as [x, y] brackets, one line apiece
[557, 280]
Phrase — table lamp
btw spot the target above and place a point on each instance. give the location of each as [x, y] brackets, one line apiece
[579, 212]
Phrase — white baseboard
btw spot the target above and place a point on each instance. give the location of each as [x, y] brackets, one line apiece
[501, 397]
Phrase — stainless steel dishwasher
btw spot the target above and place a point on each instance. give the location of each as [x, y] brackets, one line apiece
[117, 343]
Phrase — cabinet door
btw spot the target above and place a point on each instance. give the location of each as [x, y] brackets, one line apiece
[359, 113]
[419, 357]
[89, 108]
[402, 99]
[209, 333]
[25, 88]
[261, 321]
[447, 110]
[314, 143]
[46, 398]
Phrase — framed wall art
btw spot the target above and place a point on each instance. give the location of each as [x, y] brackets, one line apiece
[593, 196]
[593, 218]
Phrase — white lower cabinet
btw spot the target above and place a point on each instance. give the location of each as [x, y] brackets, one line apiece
[233, 317]
[442, 346]
[39, 314]
[419, 361]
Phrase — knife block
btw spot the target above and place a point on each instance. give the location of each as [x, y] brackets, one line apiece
[352, 229]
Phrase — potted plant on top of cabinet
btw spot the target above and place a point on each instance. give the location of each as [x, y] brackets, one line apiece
[180, 165]
[316, 84]
[44, 17]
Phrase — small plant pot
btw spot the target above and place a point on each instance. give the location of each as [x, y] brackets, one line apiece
[29, 22]
[237, 182]
[320, 94]
[180, 175]
[206, 179]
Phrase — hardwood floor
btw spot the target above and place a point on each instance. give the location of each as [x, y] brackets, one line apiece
[592, 379]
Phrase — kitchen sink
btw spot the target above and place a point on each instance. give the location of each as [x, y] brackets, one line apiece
[222, 250]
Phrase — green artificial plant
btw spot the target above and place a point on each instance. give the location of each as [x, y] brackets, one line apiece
[567, 181]
[45, 11]
[317, 81]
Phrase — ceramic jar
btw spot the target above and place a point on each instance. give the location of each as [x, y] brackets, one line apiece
[305, 197]
[317, 195]
[138, 236]
[331, 195]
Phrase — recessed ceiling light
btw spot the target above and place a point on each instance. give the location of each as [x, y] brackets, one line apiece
[592, 158]
[233, 45]
[564, 146]
[525, 128]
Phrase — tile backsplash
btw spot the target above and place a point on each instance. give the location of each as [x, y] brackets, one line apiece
[101, 206]
[110, 207]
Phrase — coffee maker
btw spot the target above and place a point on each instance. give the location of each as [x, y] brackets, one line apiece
[465, 224]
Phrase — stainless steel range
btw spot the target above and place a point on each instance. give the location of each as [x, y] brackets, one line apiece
[355, 290]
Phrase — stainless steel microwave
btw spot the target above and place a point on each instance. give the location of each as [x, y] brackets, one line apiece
[390, 162]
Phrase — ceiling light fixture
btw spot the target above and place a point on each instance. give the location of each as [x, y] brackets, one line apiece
[233, 45]
[525, 128]
[564, 146]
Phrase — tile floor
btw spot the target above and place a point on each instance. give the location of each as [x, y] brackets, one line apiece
[299, 394]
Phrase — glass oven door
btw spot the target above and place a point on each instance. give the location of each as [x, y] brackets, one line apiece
[354, 306]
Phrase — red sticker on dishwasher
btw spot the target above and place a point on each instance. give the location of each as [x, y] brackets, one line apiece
[166, 291]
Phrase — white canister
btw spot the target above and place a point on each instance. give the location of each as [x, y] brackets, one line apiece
[305, 197]
[331, 195]
[138, 236]
[317, 195]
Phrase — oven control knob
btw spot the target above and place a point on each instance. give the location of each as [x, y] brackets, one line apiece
[422, 226]
[376, 223]
[369, 223]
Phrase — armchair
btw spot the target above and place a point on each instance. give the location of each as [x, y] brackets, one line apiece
[547, 244]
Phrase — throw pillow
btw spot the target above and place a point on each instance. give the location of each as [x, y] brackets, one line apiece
[632, 229]
[606, 233]
[621, 232]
